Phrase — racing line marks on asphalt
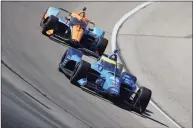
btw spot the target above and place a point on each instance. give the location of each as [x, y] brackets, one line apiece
[7, 66]
[115, 45]
[36, 100]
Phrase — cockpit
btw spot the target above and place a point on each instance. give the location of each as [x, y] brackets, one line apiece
[79, 19]
[76, 21]
[110, 65]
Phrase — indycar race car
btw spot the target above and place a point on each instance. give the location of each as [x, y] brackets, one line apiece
[75, 29]
[105, 77]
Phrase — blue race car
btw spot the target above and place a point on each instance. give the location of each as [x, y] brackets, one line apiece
[105, 77]
[73, 28]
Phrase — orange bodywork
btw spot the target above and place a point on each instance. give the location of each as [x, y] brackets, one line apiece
[50, 32]
[77, 30]
[77, 33]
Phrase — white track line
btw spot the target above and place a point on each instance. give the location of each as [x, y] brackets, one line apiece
[114, 46]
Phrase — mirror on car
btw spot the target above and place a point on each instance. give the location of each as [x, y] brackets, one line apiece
[90, 29]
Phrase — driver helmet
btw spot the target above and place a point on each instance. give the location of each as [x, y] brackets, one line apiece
[113, 57]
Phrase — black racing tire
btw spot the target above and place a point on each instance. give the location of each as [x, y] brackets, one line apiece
[80, 71]
[59, 69]
[142, 98]
[101, 46]
[49, 24]
[62, 59]
[64, 56]
[42, 20]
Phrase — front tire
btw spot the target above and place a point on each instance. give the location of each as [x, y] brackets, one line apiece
[50, 24]
[42, 20]
[142, 99]
[80, 71]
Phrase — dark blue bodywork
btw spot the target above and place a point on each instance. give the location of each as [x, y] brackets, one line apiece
[110, 77]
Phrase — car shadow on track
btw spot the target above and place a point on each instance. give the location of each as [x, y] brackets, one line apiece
[147, 114]
[96, 95]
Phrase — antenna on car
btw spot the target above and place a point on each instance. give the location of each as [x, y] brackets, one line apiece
[115, 55]
[84, 9]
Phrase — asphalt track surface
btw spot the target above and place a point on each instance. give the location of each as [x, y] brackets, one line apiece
[159, 42]
[35, 94]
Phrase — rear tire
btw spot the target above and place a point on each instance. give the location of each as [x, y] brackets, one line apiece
[60, 70]
[101, 46]
[62, 59]
[50, 24]
[80, 71]
[142, 98]
[42, 20]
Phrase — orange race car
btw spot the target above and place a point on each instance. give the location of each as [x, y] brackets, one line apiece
[75, 29]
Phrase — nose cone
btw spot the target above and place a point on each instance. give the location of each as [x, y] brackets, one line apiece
[77, 33]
